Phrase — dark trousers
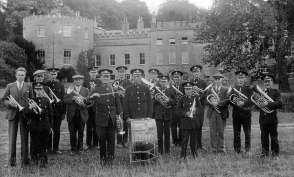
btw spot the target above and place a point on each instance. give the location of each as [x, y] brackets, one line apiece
[122, 139]
[199, 130]
[175, 126]
[245, 122]
[57, 119]
[24, 136]
[163, 129]
[107, 141]
[76, 126]
[189, 134]
[272, 131]
[38, 143]
[92, 137]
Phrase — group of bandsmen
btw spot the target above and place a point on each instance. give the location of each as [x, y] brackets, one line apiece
[176, 106]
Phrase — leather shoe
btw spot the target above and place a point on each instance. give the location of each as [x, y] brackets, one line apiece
[57, 152]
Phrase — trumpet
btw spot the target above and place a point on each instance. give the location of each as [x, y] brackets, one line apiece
[32, 102]
[235, 98]
[119, 124]
[11, 99]
[161, 98]
[53, 94]
[46, 96]
[213, 96]
[259, 97]
[193, 109]
[80, 99]
[179, 94]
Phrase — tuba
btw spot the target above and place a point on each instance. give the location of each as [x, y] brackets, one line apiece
[259, 97]
[36, 108]
[235, 98]
[161, 98]
[80, 99]
[11, 99]
[211, 97]
[54, 96]
[179, 94]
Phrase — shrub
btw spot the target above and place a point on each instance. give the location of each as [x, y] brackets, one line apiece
[66, 73]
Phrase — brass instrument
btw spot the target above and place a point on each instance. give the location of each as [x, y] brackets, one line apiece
[46, 96]
[92, 85]
[54, 96]
[235, 98]
[80, 99]
[193, 109]
[119, 124]
[151, 84]
[196, 90]
[35, 105]
[179, 94]
[259, 96]
[11, 99]
[211, 97]
[119, 87]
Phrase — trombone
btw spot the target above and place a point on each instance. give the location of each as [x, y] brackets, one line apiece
[46, 96]
[53, 94]
[11, 99]
[179, 94]
[32, 102]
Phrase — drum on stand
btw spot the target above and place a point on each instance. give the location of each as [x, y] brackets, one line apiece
[143, 140]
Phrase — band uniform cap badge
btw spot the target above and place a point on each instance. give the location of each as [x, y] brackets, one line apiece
[196, 68]
[38, 84]
[121, 68]
[92, 68]
[241, 73]
[153, 71]
[177, 73]
[163, 78]
[218, 76]
[188, 85]
[53, 69]
[267, 77]
[137, 71]
[105, 72]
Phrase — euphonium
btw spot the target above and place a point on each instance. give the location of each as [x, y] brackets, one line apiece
[161, 98]
[259, 96]
[32, 102]
[235, 98]
[211, 97]
[53, 94]
[11, 99]
[80, 99]
[46, 96]
[179, 94]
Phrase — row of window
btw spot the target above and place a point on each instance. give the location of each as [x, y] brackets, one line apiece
[112, 61]
[66, 56]
[66, 31]
[172, 41]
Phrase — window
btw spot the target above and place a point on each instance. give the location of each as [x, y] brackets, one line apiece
[206, 67]
[184, 40]
[97, 60]
[24, 32]
[142, 58]
[41, 55]
[67, 57]
[127, 59]
[172, 58]
[112, 77]
[128, 76]
[41, 31]
[159, 41]
[185, 57]
[172, 41]
[159, 58]
[185, 76]
[66, 31]
[86, 33]
[111, 60]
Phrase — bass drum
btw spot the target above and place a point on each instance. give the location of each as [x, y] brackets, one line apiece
[143, 140]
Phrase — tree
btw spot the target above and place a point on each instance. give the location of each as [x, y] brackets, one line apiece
[66, 73]
[33, 63]
[244, 34]
[85, 60]
[11, 58]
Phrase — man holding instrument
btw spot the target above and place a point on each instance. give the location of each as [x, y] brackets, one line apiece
[108, 108]
[15, 98]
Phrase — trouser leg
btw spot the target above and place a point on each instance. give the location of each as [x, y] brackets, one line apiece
[193, 142]
[24, 136]
[247, 131]
[166, 127]
[12, 134]
[159, 126]
[237, 132]
[186, 136]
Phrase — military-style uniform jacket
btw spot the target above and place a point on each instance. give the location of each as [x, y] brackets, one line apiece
[58, 89]
[268, 118]
[237, 111]
[106, 106]
[41, 122]
[184, 105]
[202, 85]
[124, 83]
[137, 102]
[87, 83]
[162, 112]
[181, 89]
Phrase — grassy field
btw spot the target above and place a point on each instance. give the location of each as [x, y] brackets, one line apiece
[206, 164]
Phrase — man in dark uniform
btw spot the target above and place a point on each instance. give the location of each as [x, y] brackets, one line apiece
[39, 76]
[176, 115]
[90, 84]
[108, 108]
[59, 110]
[40, 125]
[163, 114]
[123, 83]
[189, 120]
[154, 73]
[137, 100]
[241, 116]
[269, 121]
[201, 84]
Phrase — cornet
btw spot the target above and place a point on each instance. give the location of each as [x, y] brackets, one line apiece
[259, 97]
[35, 105]
[55, 97]
[11, 99]
[46, 96]
[193, 109]
[211, 97]
[92, 85]
[80, 99]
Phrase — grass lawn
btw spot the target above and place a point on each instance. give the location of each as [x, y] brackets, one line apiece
[206, 164]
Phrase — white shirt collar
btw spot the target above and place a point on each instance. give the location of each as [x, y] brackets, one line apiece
[19, 84]
[78, 88]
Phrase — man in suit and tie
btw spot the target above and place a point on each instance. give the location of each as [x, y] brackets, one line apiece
[77, 113]
[217, 120]
[20, 91]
